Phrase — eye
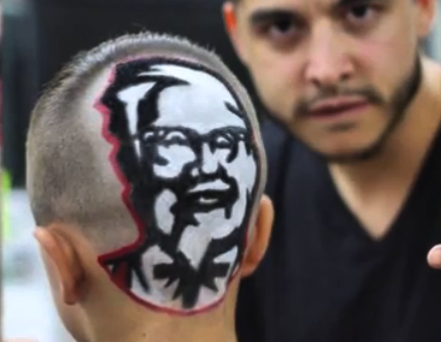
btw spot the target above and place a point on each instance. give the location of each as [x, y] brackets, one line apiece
[221, 141]
[175, 138]
[148, 136]
[282, 26]
[361, 15]
[281, 30]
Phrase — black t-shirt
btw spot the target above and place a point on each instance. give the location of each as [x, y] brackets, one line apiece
[323, 278]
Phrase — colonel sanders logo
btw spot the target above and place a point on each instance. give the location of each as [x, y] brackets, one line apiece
[185, 154]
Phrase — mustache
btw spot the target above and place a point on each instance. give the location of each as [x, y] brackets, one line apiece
[186, 181]
[369, 94]
[220, 176]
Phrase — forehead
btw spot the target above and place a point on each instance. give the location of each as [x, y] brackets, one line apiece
[203, 103]
[308, 6]
[287, 4]
[200, 105]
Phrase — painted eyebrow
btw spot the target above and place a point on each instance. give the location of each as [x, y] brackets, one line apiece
[234, 110]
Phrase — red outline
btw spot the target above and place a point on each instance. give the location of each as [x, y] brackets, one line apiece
[142, 232]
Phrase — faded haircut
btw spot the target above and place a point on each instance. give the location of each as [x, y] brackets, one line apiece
[64, 181]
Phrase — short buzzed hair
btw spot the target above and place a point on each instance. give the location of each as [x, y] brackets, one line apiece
[64, 182]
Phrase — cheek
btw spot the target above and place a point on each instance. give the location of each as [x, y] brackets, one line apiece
[176, 157]
[275, 77]
[386, 65]
[387, 55]
[275, 74]
[221, 156]
[243, 168]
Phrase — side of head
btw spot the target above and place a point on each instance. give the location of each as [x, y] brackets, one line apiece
[311, 59]
[145, 171]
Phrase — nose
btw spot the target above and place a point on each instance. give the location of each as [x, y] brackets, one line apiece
[328, 60]
[209, 162]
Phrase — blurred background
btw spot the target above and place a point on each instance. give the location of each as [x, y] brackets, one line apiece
[37, 38]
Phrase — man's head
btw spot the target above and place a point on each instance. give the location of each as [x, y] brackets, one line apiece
[145, 163]
[339, 73]
[191, 150]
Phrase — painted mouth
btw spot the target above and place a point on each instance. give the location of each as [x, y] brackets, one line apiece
[209, 198]
[213, 194]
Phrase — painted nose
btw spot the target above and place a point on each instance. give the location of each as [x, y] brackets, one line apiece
[209, 162]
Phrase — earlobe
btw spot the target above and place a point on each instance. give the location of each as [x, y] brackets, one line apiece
[65, 265]
[257, 247]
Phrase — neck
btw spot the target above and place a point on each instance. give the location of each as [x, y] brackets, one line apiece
[214, 326]
[402, 156]
[179, 333]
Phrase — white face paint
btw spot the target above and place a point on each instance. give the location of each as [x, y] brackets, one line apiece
[201, 107]
[197, 149]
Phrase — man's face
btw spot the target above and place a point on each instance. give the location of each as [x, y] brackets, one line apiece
[339, 74]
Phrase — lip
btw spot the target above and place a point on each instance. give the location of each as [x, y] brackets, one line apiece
[338, 106]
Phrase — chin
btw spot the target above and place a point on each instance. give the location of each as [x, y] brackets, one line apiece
[342, 147]
[354, 154]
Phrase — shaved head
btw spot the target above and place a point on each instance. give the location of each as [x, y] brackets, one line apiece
[149, 145]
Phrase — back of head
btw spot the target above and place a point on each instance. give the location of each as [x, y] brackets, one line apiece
[147, 150]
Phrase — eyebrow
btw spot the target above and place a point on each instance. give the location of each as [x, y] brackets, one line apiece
[347, 3]
[262, 16]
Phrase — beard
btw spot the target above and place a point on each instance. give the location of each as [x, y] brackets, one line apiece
[401, 99]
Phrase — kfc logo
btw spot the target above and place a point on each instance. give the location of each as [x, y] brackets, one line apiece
[185, 153]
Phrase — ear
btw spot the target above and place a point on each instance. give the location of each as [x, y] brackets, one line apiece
[426, 15]
[229, 14]
[63, 263]
[262, 234]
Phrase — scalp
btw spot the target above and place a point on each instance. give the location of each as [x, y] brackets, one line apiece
[69, 177]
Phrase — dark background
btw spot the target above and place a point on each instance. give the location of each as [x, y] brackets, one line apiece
[39, 36]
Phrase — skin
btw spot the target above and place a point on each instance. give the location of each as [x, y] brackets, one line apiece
[82, 292]
[303, 54]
